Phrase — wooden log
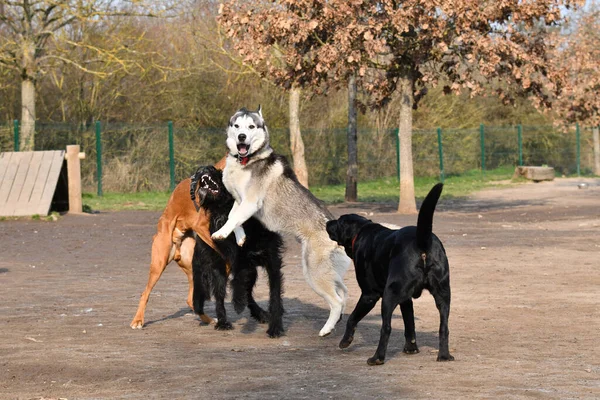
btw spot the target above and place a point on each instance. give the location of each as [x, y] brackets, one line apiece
[74, 174]
[535, 174]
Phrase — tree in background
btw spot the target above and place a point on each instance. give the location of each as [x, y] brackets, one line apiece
[351, 193]
[178, 68]
[218, 50]
[577, 55]
[399, 48]
[274, 51]
[296, 142]
[38, 36]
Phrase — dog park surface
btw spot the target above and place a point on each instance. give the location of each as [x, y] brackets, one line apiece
[524, 319]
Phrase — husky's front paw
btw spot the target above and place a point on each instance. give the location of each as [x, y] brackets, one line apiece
[241, 241]
[219, 235]
[240, 236]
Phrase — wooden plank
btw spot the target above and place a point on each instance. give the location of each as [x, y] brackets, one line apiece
[7, 182]
[3, 165]
[12, 202]
[9, 170]
[40, 183]
[58, 158]
[28, 181]
[24, 202]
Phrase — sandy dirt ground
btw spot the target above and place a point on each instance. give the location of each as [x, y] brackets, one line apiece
[524, 320]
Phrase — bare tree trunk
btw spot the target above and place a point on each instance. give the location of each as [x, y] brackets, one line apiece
[296, 143]
[27, 131]
[407, 204]
[28, 98]
[352, 171]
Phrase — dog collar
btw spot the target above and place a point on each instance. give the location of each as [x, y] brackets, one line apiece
[243, 160]
[353, 240]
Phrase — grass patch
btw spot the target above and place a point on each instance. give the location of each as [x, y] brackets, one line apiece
[383, 190]
[52, 217]
[386, 190]
[149, 201]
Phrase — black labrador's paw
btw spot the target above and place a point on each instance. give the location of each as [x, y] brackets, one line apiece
[445, 357]
[223, 326]
[411, 348]
[375, 361]
[346, 341]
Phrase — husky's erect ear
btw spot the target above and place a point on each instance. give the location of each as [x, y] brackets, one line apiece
[239, 112]
[259, 111]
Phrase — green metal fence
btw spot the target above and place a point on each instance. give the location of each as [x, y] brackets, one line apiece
[131, 158]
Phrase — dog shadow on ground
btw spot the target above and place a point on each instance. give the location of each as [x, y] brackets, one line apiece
[368, 330]
[301, 314]
[456, 204]
[182, 312]
[482, 205]
[365, 209]
[4, 270]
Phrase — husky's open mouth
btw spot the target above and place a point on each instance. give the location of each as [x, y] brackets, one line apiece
[206, 182]
[243, 149]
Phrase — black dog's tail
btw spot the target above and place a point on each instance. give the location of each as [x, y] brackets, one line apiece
[425, 219]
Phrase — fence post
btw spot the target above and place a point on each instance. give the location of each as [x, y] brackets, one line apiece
[441, 153]
[397, 154]
[171, 157]
[74, 174]
[16, 134]
[578, 139]
[482, 141]
[99, 158]
[520, 139]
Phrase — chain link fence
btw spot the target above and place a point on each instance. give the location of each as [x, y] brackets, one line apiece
[133, 158]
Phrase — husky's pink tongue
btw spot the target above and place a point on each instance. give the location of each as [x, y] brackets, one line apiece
[242, 149]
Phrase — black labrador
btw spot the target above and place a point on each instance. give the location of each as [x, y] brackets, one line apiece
[210, 269]
[396, 265]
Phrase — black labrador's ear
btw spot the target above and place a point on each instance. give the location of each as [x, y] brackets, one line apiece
[332, 229]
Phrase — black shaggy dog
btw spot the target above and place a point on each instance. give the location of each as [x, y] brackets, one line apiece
[396, 265]
[262, 248]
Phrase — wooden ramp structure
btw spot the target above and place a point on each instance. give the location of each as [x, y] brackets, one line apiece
[33, 183]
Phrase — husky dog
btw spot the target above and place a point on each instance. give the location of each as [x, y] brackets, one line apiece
[264, 186]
